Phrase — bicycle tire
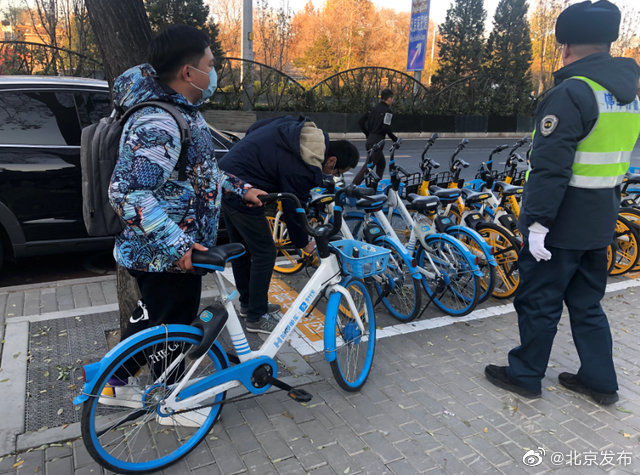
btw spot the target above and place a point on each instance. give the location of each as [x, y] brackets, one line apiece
[488, 279]
[460, 294]
[293, 263]
[632, 215]
[404, 296]
[339, 316]
[91, 436]
[506, 249]
[626, 247]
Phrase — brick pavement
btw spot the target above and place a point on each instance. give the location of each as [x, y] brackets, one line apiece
[426, 407]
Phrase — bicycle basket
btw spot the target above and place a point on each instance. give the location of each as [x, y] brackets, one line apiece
[411, 184]
[443, 179]
[370, 260]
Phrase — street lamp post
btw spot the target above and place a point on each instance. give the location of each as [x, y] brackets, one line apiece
[246, 76]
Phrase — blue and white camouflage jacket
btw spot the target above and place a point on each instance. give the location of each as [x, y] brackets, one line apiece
[164, 217]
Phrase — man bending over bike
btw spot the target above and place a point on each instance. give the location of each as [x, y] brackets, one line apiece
[283, 154]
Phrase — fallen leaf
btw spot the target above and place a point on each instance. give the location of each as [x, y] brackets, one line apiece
[18, 463]
[622, 409]
[46, 374]
[4, 380]
[628, 436]
[486, 429]
[347, 470]
[60, 411]
[65, 426]
[15, 355]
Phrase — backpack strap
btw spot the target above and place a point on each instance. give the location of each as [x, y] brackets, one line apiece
[183, 127]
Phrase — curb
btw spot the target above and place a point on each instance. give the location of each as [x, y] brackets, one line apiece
[442, 135]
[56, 283]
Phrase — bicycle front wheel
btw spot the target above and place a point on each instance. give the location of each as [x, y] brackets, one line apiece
[625, 246]
[471, 239]
[456, 287]
[505, 251]
[288, 260]
[354, 347]
[400, 291]
[123, 426]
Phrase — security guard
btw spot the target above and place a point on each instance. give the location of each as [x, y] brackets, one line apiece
[586, 128]
[376, 125]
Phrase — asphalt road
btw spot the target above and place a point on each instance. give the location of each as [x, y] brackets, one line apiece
[71, 266]
[476, 151]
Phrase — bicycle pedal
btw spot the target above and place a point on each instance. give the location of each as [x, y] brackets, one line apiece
[299, 395]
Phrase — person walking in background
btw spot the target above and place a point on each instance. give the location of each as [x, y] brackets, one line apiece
[376, 125]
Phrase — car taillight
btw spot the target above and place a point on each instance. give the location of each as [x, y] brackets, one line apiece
[414, 263]
[492, 251]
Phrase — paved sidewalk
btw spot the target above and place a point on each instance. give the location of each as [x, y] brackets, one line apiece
[426, 407]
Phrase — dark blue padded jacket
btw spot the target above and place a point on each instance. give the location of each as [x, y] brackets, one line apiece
[269, 158]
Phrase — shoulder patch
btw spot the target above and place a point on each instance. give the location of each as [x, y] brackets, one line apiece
[548, 124]
[387, 118]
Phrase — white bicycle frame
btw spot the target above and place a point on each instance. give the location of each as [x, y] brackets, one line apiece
[388, 229]
[326, 279]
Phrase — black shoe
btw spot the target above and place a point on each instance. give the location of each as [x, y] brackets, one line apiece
[572, 383]
[271, 308]
[265, 325]
[497, 375]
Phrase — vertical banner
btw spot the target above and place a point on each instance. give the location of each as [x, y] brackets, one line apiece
[418, 34]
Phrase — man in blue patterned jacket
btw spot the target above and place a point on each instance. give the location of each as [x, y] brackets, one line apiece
[166, 218]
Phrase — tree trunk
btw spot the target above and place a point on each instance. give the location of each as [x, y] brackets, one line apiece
[123, 33]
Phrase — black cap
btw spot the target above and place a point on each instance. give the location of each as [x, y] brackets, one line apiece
[588, 23]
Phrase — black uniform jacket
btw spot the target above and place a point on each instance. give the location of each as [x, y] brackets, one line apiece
[376, 123]
[577, 218]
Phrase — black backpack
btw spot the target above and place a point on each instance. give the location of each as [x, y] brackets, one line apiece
[98, 156]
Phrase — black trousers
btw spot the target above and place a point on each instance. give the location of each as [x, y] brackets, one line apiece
[169, 298]
[376, 157]
[253, 270]
[577, 278]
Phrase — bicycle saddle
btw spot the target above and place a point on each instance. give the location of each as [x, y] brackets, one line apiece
[371, 202]
[422, 203]
[633, 178]
[471, 196]
[319, 200]
[216, 257]
[445, 194]
[507, 189]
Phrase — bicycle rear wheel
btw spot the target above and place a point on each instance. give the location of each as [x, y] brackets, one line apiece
[354, 348]
[505, 251]
[123, 427]
[457, 289]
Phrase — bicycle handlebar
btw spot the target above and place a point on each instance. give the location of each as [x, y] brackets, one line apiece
[376, 148]
[349, 191]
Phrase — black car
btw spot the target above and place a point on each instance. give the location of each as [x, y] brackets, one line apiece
[41, 119]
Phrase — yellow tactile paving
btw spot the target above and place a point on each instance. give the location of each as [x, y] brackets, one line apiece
[312, 326]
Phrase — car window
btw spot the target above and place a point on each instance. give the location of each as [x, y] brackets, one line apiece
[93, 106]
[38, 118]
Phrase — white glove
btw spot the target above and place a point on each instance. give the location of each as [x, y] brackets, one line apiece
[537, 233]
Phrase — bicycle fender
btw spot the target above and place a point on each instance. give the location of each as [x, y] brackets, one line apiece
[469, 256]
[330, 327]
[486, 249]
[92, 371]
[406, 257]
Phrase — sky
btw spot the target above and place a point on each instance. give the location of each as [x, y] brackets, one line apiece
[438, 7]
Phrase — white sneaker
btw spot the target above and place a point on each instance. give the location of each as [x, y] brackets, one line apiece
[195, 418]
[121, 396]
